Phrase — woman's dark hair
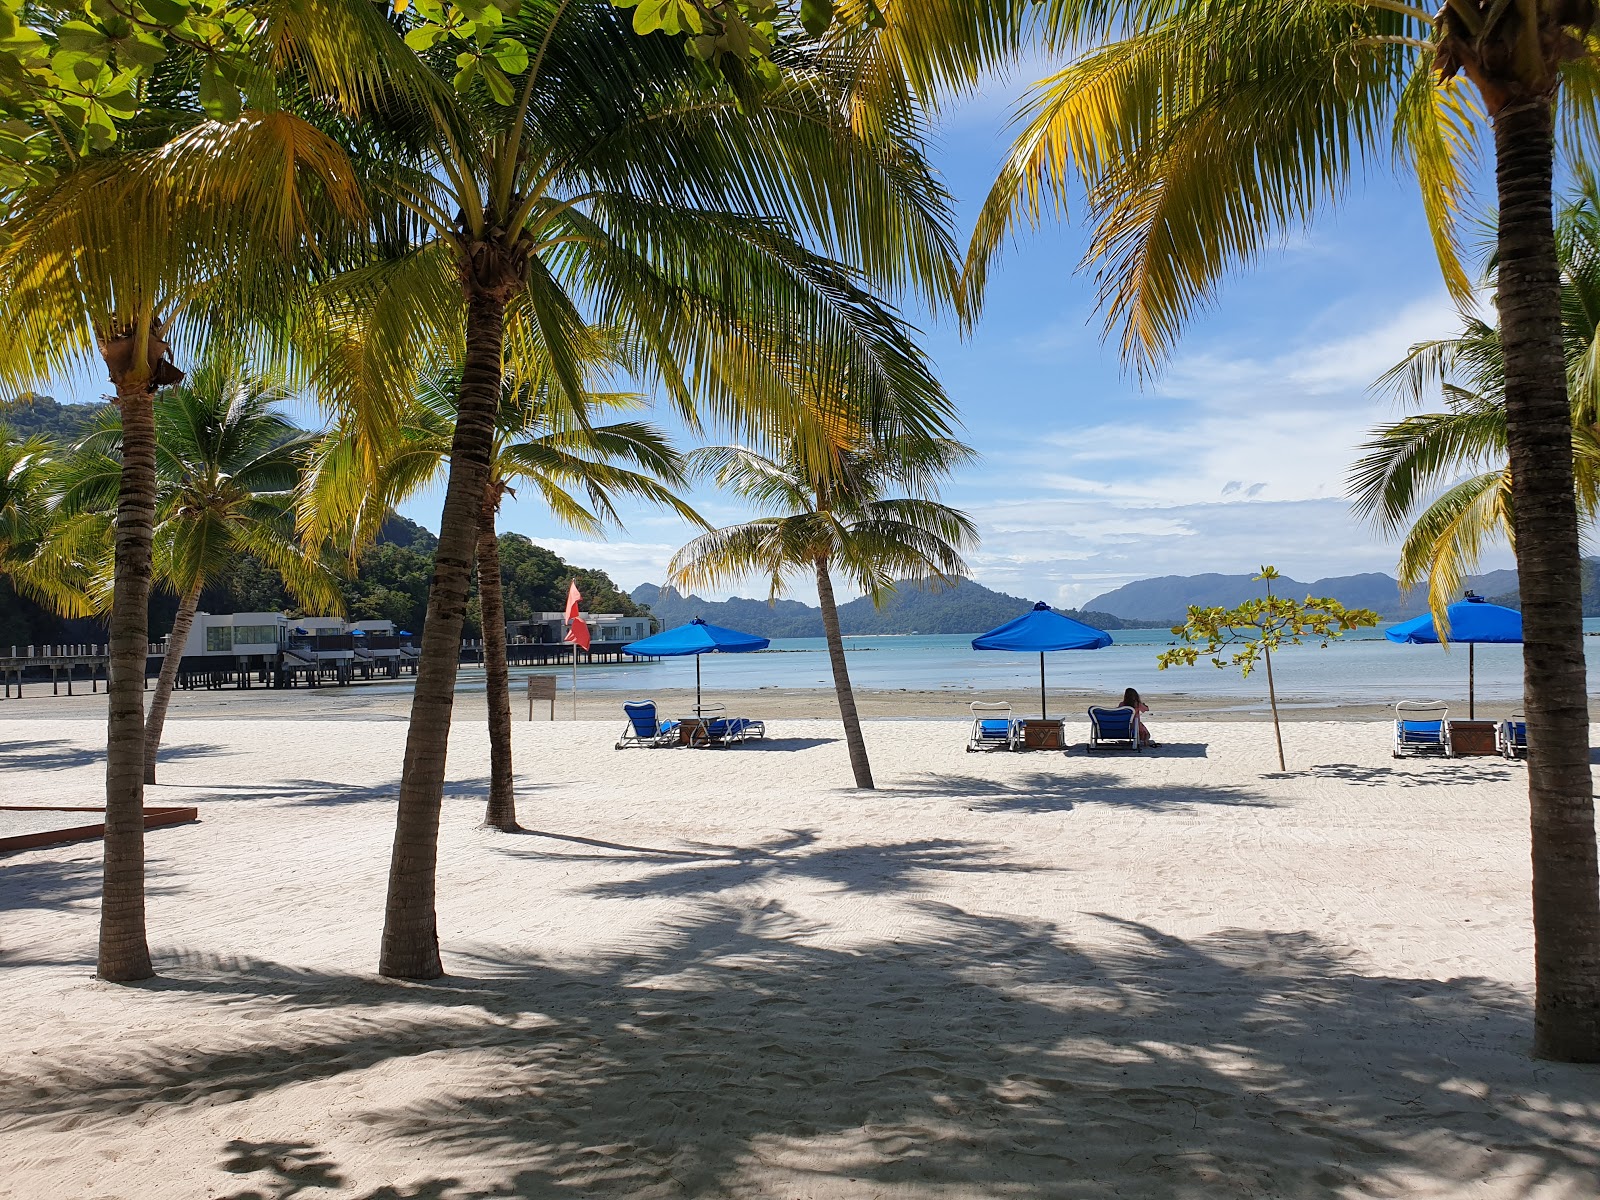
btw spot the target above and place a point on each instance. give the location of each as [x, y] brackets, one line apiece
[1130, 699]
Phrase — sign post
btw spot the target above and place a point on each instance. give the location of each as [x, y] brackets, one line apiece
[542, 687]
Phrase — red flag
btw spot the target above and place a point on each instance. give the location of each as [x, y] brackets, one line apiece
[577, 631]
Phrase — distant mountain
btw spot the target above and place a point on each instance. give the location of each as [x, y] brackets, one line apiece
[1166, 599]
[964, 607]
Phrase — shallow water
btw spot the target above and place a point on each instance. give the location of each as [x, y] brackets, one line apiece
[1359, 668]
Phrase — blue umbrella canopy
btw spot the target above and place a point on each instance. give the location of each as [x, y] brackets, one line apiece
[1041, 630]
[696, 638]
[1470, 620]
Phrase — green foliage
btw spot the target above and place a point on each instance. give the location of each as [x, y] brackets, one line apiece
[71, 78]
[1442, 478]
[1260, 626]
[536, 581]
[41, 416]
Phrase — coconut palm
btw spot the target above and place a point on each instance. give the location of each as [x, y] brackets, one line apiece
[542, 441]
[184, 229]
[590, 174]
[228, 464]
[839, 515]
[1201, 132]
[34, 556]
[1441, 478]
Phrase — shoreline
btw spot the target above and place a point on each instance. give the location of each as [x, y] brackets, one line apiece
[384, 701]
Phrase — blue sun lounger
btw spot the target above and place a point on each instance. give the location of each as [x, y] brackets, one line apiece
[644, 729]
[1420, 728]
[992, 727]
[1513, 737]
[1113, 729]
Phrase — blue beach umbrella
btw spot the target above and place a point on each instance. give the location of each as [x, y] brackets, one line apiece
[696, 638]
[1040, 631]
[1471, 620]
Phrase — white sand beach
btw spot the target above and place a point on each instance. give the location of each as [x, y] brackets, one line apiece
[725, 974]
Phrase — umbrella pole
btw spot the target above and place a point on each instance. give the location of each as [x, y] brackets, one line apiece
[1043, 714]
[1472, 680]
[697, 685]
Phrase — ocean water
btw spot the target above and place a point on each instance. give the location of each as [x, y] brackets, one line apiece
[1359, 668]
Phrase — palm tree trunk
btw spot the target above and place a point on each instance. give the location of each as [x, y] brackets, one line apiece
[168, 678]
[1566, 885]
[124, 954]
[410, 947]
[841, 679]
[502, 810]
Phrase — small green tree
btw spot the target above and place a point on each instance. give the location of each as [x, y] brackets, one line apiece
[1256, 628]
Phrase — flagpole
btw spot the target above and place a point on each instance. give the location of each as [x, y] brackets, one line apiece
[574, 681]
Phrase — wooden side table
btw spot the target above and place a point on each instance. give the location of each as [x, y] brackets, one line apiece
[1472, 739]
[692, 731]
[1043, 735]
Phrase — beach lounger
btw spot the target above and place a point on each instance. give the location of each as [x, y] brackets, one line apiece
[729, 731]
[992, 727]
[1513, 737]
[716, 729]
[1114, 729]
[644, 728]
[1420, 728]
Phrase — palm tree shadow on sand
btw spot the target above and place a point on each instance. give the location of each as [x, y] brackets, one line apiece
[739, 1052]
[707, 868]
[1045, 792]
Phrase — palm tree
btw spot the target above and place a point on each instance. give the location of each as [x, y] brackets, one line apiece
[1441, 478]
[837, 515]
[585, 174]
[1202, 131]
[227, 470]
[541, 440]
[34, 555]
[184, 229]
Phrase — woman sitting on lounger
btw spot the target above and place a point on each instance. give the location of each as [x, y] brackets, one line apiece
[1130, 699]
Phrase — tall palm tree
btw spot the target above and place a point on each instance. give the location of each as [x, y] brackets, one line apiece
[587, 173]
[837, 515]
[228, 465]
[575, 468]
[183, 229]
[1201, 131]
[1441, 478]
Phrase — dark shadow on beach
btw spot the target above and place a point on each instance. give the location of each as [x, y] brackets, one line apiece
[57, 754]
[1417, 772]
[785, 744]
[322, 793]
[973, 1055]
[56, 884]
[1044, 792]
[706, 868]
[1161, 750]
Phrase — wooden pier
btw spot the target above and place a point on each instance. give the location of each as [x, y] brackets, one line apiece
[58, 663]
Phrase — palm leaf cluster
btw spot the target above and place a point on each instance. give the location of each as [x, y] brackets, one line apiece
[1439, 479]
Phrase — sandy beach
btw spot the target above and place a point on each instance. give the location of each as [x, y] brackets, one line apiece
[725, 974]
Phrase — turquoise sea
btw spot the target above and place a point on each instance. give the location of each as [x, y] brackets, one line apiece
[1359, 668]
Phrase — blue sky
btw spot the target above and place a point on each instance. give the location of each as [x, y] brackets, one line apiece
[1235, 456]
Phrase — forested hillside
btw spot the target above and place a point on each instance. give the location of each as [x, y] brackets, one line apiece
[389, 582]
